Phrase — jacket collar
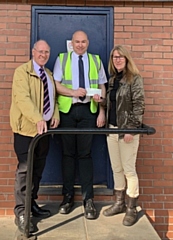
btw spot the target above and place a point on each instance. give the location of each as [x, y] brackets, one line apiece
[30, 68]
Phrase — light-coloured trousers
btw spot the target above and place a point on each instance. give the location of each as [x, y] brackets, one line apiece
[123, 161]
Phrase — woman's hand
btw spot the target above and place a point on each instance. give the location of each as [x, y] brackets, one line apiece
[128, 138]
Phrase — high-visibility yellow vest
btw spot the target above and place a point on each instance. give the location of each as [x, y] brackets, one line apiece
[65, 102]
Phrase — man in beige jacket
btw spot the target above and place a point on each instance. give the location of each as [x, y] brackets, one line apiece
[33, 110]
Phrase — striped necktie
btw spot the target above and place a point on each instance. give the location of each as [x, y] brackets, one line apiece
[81, 75]
[46, 102]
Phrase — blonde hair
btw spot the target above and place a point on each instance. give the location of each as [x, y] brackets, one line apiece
[130, 69]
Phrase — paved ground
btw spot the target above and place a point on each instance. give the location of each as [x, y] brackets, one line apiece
[75, 227]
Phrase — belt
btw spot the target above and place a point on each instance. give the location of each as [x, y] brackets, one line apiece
[80, 104]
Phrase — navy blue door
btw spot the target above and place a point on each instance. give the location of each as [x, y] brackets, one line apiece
[56, 25]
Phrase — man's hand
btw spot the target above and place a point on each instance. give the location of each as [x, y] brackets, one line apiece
[80, 92]
[54, 123]
[101, 119]
[41, 127]
[97, 98]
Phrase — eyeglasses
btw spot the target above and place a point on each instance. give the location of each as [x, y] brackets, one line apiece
[42, 52]
[119, 57]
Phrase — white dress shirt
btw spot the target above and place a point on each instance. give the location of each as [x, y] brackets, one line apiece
[49, 114]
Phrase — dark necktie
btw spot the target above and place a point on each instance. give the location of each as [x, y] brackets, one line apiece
[81, 75]
[46, 102]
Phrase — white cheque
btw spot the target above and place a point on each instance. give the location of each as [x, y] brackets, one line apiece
[93, 91]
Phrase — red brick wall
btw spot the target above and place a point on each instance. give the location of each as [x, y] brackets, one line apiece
[147, 30]
[14, 50]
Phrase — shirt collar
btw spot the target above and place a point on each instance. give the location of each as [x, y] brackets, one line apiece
[85, 55]
[36, 67]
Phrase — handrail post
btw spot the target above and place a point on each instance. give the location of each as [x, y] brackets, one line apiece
[29, 184]
[145, 130]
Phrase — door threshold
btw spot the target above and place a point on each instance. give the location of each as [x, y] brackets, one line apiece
[55, 190]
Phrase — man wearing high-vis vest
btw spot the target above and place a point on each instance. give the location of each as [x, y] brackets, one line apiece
[74, 73]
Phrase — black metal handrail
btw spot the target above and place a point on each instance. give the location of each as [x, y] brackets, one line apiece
[144, 130]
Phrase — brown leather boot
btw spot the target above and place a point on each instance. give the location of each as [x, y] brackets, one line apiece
[119, 205]
[131, 212]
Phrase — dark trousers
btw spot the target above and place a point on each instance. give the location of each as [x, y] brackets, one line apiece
[21, 145]
[78, 148]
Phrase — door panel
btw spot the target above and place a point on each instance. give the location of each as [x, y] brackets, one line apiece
[56, 25]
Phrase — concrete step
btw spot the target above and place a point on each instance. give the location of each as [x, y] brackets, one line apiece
[74, 226]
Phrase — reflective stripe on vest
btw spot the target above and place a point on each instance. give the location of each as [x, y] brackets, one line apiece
[65, 102]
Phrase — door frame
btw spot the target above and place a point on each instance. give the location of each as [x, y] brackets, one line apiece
[108, 11]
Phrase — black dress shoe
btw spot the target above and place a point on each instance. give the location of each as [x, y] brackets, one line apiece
[19, 221]
[90, 210]
[66, 204]
[39, 212]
